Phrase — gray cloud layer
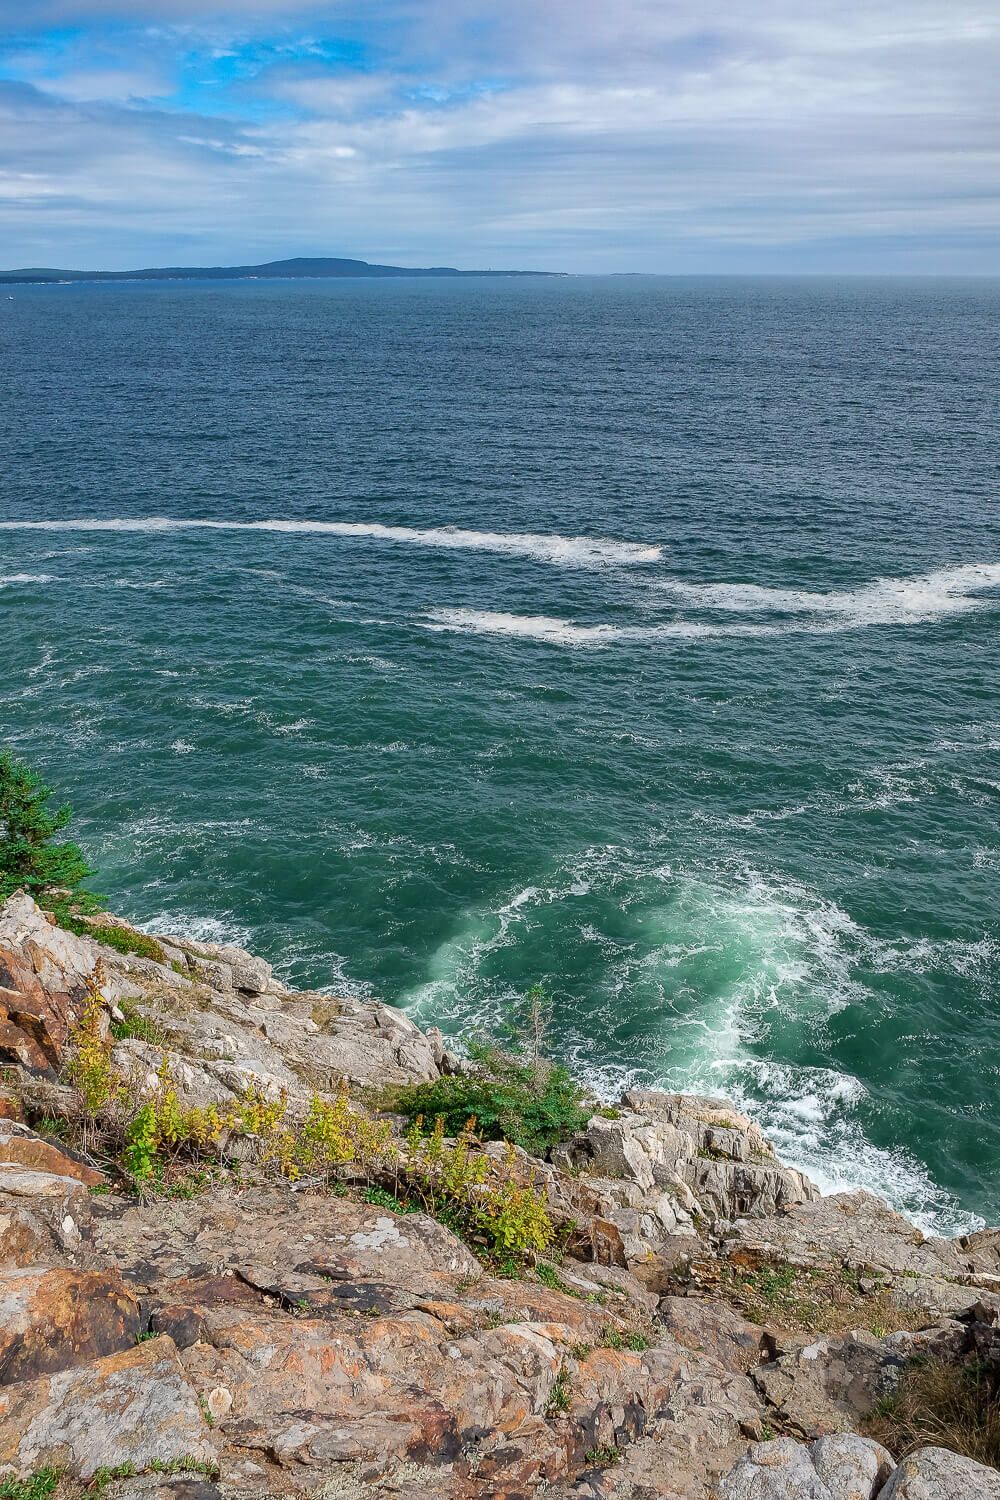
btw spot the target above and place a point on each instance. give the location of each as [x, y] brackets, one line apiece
[569, 134]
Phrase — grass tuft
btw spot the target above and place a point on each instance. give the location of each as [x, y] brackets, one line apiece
[37, 1486]
[943, 1406]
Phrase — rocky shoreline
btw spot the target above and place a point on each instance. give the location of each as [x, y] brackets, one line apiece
[711, 1328]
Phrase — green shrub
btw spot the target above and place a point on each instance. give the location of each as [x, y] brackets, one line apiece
[30, 857]
[549, 1276]
[477, 1198]
[602, 1457]
[560, 1396]
[627, 1338]
[380, 1197]
[510, 1100]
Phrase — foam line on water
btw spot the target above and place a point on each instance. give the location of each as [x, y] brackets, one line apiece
[884, 601]
[561, 632]
[9, 580]
[562, 551]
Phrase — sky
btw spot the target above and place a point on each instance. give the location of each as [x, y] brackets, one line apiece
[674, 136]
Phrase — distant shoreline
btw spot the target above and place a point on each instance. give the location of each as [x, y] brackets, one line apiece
[302, 268]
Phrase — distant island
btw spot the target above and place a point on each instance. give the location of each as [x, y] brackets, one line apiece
[317, 267]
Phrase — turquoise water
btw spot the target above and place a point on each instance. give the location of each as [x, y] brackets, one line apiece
[638, 637]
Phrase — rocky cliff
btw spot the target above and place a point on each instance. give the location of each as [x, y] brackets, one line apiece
[709, 1326]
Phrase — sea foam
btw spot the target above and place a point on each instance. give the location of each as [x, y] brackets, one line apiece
[8, 580]
[884, 601]
[562, 551]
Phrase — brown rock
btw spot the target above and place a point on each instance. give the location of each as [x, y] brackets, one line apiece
[25, 1239]
[714, 1329]
[133, 1407]
[44, 1217]
[29, 1150]
[53, 1320]
[278, 1229]
[45, 974]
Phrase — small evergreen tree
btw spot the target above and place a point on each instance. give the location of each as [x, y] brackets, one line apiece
[30, 859]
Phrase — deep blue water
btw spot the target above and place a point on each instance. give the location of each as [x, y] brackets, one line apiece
[695, 718]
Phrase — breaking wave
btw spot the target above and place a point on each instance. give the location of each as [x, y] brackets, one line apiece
[697, 980]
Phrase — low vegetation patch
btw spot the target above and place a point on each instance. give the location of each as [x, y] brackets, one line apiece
[560, 1396]
[122, 939]
[813, 1299]
[514, 1094]
[625, 1338]
[163, 1146]
[186, 1464]
[135, 1024]
[943, 1406]
[37, 1487]
[604, 1456]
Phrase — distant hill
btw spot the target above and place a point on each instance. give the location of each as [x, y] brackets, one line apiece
[302, 266]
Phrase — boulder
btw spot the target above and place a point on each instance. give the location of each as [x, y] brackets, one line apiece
[45, 976]
[686, 1156]
[676, 1449]
[55, 1319]
[225, 966]
[853, 1468]
[852, 1229]
[43, 1215]
[24, 1148]
[714, 1329]
[711, 1122]
[938, 1474]
[278, 1229]
[133, 1407]
[845, 1467]
[828, 1385]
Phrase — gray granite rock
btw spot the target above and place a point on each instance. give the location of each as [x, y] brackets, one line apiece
[827, 1385]
[701, 1155]
[844, 1467]
[853, 1229]
[937, 1474]
[132, 1407]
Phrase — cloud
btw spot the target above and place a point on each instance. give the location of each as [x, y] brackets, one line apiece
[645, 135]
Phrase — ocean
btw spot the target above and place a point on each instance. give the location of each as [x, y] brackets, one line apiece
[633, 636]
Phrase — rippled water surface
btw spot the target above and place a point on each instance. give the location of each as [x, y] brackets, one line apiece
[635, 636]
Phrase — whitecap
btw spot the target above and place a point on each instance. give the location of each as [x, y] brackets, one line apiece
[199, 929]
